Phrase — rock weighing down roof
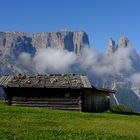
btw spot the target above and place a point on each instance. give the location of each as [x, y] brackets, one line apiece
[47, 81]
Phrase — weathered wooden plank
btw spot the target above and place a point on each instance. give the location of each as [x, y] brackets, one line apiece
[85, 82]
[8, 78]
[44, 99]
[1, 80]
[50, 103]
[47, 105]
[4, 80]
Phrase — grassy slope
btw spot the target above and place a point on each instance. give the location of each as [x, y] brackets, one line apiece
[35, 123]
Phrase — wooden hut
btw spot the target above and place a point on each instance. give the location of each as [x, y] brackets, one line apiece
[55, 91]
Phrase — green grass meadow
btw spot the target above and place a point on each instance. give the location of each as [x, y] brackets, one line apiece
[23, 123]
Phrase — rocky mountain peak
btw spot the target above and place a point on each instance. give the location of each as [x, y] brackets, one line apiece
[30, 42]
[12, 44]
[123, 42]
[111, 46]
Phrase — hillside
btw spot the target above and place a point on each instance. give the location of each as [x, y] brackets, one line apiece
[35, 123]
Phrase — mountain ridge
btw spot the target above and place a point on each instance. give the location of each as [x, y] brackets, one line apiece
[12, 44]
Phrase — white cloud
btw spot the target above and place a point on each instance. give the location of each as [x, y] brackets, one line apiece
[92, 63]
[135, 78]
[54, 60]
[25, 59]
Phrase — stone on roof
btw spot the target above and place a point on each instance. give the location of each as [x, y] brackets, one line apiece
[47, 81]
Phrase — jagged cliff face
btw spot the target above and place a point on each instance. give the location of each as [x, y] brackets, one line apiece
[12, 44]
[30, 42]
[113, 47]
[123, 43]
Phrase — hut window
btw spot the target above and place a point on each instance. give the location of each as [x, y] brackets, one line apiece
[67, 95]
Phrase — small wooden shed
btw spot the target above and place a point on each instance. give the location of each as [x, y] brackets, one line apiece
[55, 91]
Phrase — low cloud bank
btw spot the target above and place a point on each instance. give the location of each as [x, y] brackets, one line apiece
[101, 66]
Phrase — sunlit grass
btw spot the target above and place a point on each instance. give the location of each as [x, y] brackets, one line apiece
[36, 123]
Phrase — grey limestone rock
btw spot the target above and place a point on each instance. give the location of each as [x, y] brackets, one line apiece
[123, 42]
[111, 47]
[30, 42]
[12, 44]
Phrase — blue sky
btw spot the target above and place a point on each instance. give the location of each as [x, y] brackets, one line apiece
[100, 19]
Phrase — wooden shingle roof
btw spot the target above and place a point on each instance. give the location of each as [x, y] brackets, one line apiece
[46, 81]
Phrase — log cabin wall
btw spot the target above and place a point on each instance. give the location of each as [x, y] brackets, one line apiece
[95, 101]
[60, 99]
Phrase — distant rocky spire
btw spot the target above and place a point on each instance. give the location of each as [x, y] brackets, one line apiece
[111, 46]
[123, 42]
